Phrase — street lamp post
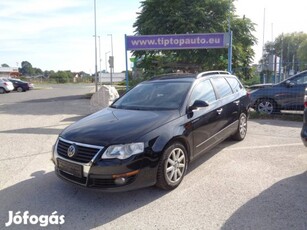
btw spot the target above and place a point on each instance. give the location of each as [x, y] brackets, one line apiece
[96, 87]
[106, 60]
[111, 64]
[99, 58]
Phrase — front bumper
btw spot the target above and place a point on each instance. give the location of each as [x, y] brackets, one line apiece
[109, 175]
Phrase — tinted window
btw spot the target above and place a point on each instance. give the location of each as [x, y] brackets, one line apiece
[234, 83]
[204, 92]
[222, 87]
[302, 79]
[154, 96]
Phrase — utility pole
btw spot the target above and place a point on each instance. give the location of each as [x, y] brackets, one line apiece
[96, 86]
[230, 41]
[281, 57]
[99, 59]
[111, 60]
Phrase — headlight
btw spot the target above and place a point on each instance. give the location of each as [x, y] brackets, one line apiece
[123, 151]
[54, 150]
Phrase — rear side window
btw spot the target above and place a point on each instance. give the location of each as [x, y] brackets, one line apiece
[204, 92]
[234, 83]
[222, 87]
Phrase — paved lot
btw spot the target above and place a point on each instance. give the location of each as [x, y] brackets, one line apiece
[260, 183]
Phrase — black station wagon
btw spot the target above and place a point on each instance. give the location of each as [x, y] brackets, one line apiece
[151, 134]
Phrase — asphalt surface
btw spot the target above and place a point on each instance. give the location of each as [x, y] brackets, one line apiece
[259, 183]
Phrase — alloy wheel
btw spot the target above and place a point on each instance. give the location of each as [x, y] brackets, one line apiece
[265, 107]
[243, 125]
[175, 165]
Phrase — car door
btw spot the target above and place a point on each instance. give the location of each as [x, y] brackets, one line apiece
[293, 95]
[204, 122]
[229, 105]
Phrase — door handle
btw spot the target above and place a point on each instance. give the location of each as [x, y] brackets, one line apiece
[219, 111]
[237, 102]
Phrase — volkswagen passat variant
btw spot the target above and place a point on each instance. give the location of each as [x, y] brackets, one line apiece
[151, 134]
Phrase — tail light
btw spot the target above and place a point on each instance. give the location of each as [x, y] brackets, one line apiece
[305, 103]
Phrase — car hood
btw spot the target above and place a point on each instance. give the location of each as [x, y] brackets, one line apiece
[116, 126]
[259, 86]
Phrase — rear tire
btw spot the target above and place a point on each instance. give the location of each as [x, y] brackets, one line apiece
[172, 166]
[242, 128]
[2, 90]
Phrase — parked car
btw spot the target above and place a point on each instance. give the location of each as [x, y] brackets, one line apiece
[5, 86]
[286, 95]
[150, 135]
[31, 85]
[304, 129]
[20, 86]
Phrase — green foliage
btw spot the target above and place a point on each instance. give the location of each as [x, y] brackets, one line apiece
[61, 76]
[27, 69]
[193, 16]
[253, 79]
[293, 48]
[4, 65]
[302, 55]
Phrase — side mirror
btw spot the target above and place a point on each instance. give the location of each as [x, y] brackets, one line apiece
[289, 84]
[198, 104]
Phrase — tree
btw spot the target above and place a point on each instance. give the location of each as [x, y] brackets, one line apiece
[26, 69]
[292, 47]
[4, 65]
[302, 55]
[193, 16]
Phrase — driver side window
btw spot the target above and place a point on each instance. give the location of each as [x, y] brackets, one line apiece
[301, 79]
[204, 92]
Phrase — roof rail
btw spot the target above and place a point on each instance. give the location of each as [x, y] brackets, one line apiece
[206, 73]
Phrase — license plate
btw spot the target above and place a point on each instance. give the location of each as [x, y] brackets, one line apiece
[70, 168]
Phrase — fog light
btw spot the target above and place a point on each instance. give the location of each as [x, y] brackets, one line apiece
[120, 180]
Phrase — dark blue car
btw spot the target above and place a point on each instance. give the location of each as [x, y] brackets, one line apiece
[19, 86]
[286, 95]
[304, 128]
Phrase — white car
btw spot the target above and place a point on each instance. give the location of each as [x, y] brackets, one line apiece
[5, 86]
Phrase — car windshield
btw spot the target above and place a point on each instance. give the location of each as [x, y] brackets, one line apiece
[154, 96]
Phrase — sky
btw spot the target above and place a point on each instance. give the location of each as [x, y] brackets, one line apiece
[59, 34]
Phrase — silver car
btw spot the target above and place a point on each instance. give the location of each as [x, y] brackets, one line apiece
[5, 86]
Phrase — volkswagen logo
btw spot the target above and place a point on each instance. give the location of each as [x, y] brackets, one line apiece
[71, 151]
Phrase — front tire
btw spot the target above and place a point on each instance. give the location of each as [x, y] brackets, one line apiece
[19, 89]
[267, 106]
[172, 166]
[242, 128]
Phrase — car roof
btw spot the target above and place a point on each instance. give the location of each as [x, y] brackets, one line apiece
[188, 77]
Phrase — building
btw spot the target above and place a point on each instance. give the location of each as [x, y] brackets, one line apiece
[9, 72]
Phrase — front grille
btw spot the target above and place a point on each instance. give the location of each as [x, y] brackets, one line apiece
[84, 154]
